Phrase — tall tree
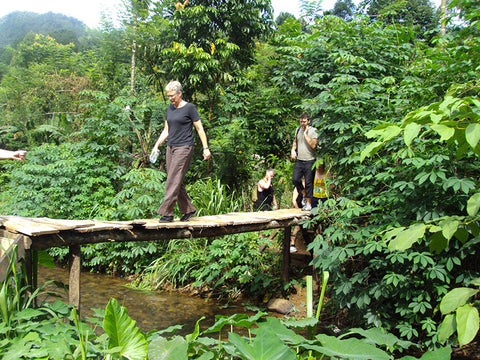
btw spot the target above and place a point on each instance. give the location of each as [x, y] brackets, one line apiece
[212, 42]
[417, 13]
[344, 9]
[138, 11]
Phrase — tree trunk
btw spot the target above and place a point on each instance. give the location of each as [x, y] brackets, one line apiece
[443, 8]
[132, 71]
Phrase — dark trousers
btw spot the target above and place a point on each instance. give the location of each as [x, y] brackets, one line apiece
[303, 169]
[178, 160]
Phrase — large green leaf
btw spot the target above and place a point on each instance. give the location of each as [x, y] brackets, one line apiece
[164, 349]
[447, 328]
[379, 336]
[467, 323]
[472, 134]
[445, 132]
[411, 132]
[449, 227]
[406, 238]
[370, 150]
[456, 298]
[352, 349]
[124, 336]
[286, 334]
[438, 354]
[266, 346]
[473, 204]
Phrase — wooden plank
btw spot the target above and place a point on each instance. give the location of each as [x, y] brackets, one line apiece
[107, 225]
[176, 224]
[64, 224]
[197, 222]
[27, 227]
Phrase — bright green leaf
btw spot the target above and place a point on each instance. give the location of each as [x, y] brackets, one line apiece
[163, 349]
[265, 346]
[473, 204]
[456, 298]
[438, 354]
[370, 149]
[449, 227]
[407, 237]
[391, 132]
[445, 132]
[447, 328]
[350, 349]
[467, 323]
[472, 134]
[411, 132]
[123, 332]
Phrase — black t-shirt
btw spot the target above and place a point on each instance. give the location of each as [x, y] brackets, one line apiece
[180, 121]
[264, 199]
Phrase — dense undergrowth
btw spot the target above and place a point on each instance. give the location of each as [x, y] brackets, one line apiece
[53, 330]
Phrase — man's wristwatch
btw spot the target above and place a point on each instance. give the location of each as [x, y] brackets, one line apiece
[206, 148]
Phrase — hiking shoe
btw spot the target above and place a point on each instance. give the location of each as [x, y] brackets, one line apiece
[293, 249]
[307, 207]
[166, 218]
[187, 216]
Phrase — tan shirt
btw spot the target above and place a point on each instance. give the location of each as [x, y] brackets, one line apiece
[304, 150]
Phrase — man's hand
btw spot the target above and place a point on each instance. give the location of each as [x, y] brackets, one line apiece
[293, 154]
[206, 154]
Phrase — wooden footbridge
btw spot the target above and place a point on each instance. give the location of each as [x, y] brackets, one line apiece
[31, 234]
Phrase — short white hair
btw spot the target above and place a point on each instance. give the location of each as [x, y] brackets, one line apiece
[174, 86]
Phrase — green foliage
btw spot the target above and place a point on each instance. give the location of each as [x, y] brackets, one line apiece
[230, 138]
[460, 317]
[230, 265]
[211, 197]
[119, 258]
[124, 337]
[28, 332]
[418, 14]
[175, 266]
[64, 181]
[399, 225]
[40, 89]
[236, 264]
[140, 196]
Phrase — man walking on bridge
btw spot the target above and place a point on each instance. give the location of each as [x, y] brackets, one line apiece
[303, 152]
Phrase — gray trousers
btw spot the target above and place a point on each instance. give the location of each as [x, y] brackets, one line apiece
[178, 160]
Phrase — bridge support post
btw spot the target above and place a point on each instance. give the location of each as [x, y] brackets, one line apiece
[286, 254]
[74, 279]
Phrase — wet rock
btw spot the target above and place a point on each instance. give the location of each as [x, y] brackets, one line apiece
[281, 306]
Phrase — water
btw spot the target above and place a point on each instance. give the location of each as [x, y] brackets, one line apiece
[151, 310]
